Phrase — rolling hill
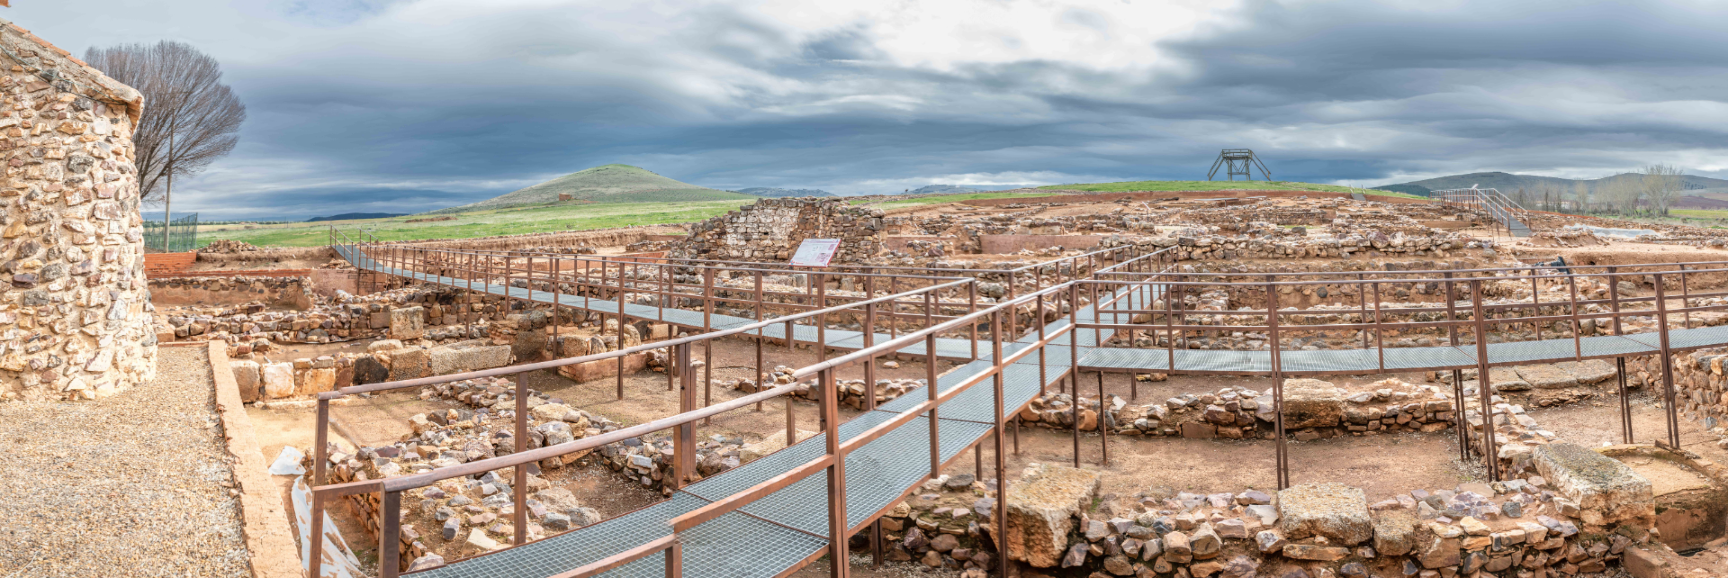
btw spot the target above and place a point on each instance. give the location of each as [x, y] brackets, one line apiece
[353, 216]
[1508, 182]
[604, 184]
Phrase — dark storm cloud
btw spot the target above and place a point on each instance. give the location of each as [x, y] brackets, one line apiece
[411, 105]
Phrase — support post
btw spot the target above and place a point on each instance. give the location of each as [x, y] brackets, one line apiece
[1671, 412]
[1484, 384]
[1282, 461]
[839, 561]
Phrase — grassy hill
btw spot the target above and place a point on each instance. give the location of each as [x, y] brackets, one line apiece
[604, 184]
[1137, 186]
[482, 223]
[1509, 182]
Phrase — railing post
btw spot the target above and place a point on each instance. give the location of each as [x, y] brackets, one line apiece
[519, 493]
[1671, 412]
[1484, 384]
[972, 307]
[1282, 461]
[839, 561]
[999, 514]
[320, 461]
[761, 334]
[389, 539]
[707, 344]
[930, 389]
[675, 559]
[684, 444]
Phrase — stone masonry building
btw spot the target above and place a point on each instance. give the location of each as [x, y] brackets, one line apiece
[771, 229]
[74, 318]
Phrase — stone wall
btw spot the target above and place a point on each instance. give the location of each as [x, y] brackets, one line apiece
[771, 229]
[76, 321]
[1698, 382]
[282, 292]
[1533, 526]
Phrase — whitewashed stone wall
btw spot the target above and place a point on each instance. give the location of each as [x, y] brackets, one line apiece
[74, 307]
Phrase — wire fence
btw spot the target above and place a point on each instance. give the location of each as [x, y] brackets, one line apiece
[182, 235]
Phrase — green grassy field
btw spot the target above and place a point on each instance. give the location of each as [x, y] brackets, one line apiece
[1134, 186]
[511, 221]
[935, 199]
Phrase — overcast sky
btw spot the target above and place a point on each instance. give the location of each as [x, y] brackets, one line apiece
[412, 105]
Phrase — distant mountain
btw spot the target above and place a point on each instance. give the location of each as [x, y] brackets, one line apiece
[1508, 183]
[353, 216]
[779, 193]
[604, 184]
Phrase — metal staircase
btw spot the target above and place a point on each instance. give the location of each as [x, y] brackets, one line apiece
[1511, 217]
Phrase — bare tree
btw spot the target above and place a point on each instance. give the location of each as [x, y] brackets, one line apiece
[1581, 192]
[1662, 185]
[185, 103]
[1623, 193]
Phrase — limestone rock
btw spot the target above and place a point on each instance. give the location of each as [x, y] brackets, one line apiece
[1312, 403]
[1041, 509]
[1546, 376]
[1588, 372]
[1333, 510]
[1394, 532]
[278, 380]
[1605, 490]
[407, 323]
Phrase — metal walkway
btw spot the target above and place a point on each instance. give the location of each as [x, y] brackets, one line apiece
[789, 528]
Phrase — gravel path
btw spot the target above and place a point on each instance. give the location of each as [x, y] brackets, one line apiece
[132, 485]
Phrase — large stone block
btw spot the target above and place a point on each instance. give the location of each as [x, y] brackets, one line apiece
[317, 379]
[407, 323]
[1605, 490]
[1041, 509]
[410, 364]
[1588, 372]
[1507, 379]
[368, 369]
[1333, 510]
[1394, 532]
[278, 380]
[447, 360]
[247, 377]
[1546, 376]
[1312, 403]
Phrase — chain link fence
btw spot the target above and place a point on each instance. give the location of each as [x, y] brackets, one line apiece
[182, 235]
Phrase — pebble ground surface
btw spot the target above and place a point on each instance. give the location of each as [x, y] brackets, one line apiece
[137, 484]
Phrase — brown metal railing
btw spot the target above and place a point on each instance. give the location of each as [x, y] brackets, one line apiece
[1129, 270]
[684, 466]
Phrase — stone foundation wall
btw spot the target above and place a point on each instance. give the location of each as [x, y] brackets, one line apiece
[281, 292]
[1698, 382]
[771, 229]
[76, 321]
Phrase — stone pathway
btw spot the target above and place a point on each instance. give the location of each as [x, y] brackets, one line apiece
[137, 484]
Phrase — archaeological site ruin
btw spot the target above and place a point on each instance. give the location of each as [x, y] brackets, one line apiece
[1175, 385]
[1147, 384]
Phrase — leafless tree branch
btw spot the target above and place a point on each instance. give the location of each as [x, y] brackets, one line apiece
[183, 96]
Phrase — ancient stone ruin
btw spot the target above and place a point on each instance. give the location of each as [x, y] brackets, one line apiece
[75, 318]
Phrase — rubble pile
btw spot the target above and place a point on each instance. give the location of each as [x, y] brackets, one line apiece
[852, 391]
[1529, 525]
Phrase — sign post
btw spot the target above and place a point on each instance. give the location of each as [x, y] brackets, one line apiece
[815, 252]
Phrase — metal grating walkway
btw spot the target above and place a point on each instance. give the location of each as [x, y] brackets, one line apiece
[787, 528]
